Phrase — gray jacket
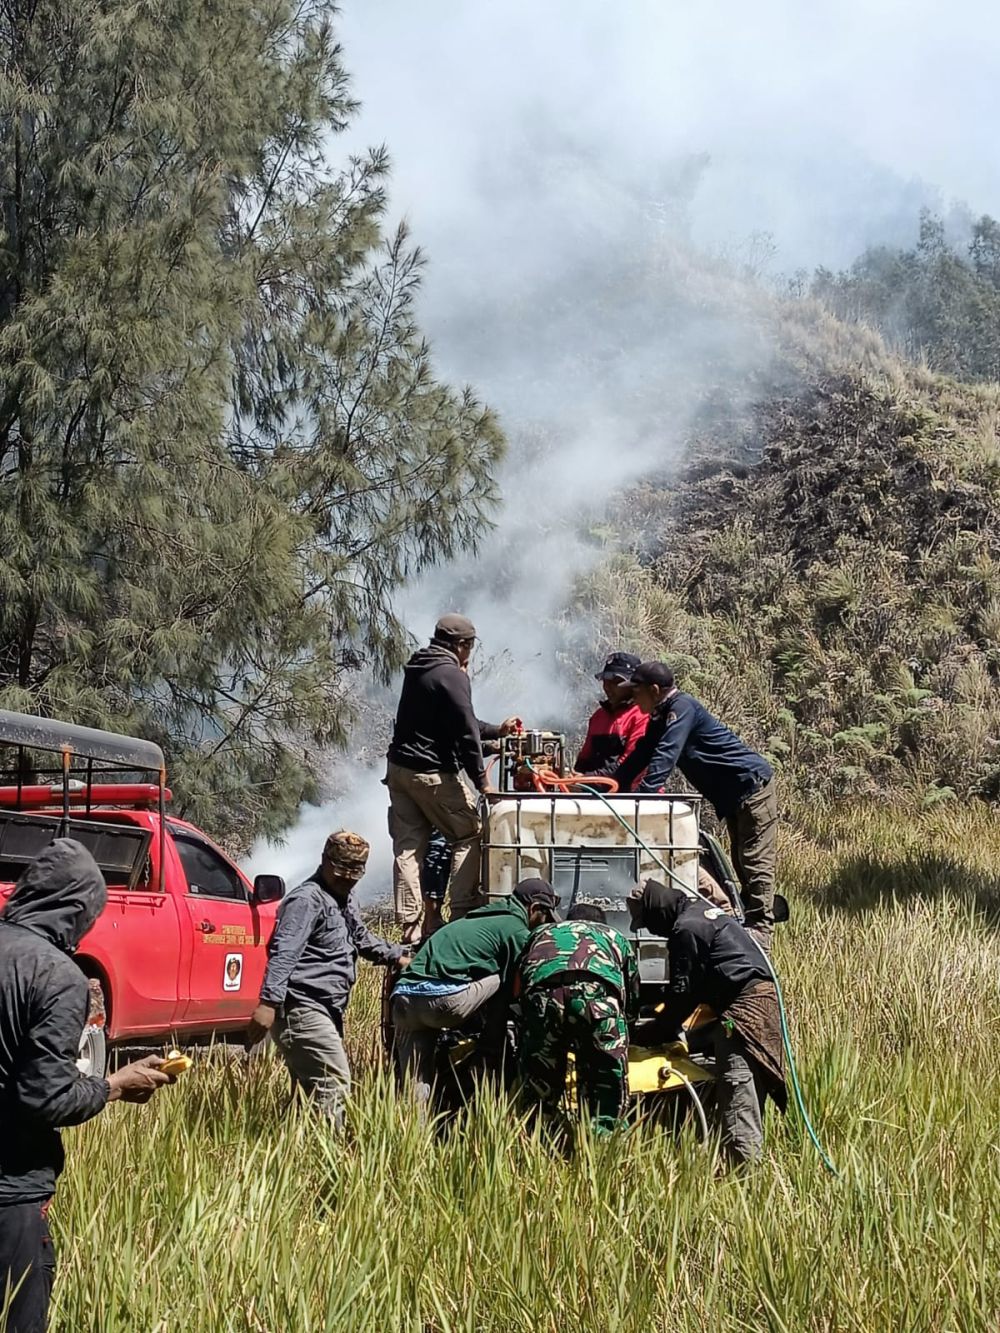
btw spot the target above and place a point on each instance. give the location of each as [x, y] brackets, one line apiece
[313, 953]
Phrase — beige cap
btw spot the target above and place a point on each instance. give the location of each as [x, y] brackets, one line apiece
[454, 627]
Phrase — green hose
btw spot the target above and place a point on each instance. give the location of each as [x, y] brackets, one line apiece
[785, 1038]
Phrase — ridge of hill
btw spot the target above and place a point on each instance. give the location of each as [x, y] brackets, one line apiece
[824, 568]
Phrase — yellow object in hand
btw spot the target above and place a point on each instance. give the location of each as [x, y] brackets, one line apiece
[175, 1063]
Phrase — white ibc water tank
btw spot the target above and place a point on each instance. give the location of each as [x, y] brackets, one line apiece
[577, 841]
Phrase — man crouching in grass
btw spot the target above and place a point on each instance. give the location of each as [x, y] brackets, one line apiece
[312, 964]
[713, 961]
[577, 986]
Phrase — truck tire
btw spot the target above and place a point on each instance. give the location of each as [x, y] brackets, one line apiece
[93, 1056]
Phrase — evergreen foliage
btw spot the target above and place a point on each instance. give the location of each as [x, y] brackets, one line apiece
[939, 301]
[222, 443]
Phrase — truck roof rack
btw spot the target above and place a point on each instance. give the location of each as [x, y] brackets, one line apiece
[137, 795]
[81, 750]
[127, 753]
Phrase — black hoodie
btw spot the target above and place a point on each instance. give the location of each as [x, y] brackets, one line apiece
[436, 730]
[43, 1009]
[712, 959]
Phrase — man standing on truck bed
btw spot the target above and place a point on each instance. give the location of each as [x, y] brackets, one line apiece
[436, 737]
[618, 724]
[312, 963]
[43, 1008]
[683, 734]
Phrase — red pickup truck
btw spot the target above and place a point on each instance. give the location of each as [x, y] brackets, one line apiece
[180, 949]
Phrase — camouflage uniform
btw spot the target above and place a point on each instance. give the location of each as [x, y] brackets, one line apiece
[578, 985]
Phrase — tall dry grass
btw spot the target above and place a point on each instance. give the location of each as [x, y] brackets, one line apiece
[220, 1208]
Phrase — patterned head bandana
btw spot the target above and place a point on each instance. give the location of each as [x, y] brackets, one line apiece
[346, 854]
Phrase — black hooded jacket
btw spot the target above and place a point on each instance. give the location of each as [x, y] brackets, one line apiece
[712, 959]
[436, 730]
[43, 1009]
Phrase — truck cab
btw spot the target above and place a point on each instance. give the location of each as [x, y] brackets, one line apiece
[179, 951]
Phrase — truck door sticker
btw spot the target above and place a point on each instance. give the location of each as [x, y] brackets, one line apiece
[234, 971]
[233, 936]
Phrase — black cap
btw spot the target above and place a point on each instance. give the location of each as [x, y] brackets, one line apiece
[455, 628]
[653, 673]
[619, 666]
[538, 893]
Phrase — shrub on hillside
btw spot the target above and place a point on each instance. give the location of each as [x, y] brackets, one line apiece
[832, 589]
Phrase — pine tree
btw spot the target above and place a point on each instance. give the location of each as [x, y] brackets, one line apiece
[222, 443]
[936, 301]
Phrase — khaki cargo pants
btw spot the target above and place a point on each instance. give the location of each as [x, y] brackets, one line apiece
[418, 804]
[753, 838]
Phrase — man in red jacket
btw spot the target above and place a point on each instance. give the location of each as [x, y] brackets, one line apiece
[618, 724]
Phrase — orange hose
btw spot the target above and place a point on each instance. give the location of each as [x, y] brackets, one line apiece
[588, 780]
[548, 778]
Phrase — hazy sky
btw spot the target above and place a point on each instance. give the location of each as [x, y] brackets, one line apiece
[825, 121]
[562, 162]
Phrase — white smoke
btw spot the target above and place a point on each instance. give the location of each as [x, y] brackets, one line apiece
[826, 124]
[362, 808]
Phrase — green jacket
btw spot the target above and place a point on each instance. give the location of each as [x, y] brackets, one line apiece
[485, 943]
[582, 948]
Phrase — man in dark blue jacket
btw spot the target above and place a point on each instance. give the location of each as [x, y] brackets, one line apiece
[311, 967]
[683, 734]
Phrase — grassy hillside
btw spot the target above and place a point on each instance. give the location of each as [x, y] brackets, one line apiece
[825, 569]
[216, 1209]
